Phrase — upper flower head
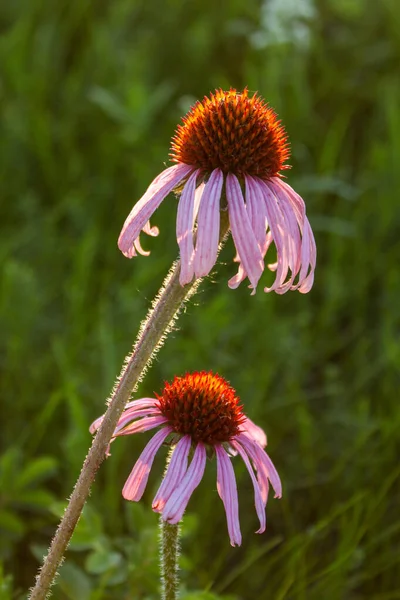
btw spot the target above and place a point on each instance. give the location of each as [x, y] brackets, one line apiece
[231, 145]
[199, 414]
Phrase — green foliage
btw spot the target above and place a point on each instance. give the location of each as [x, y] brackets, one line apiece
[90, 95]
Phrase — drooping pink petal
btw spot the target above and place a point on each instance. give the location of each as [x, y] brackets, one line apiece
[137, 480]
[262, 462]
[262, 475]
[178, 500]
[208, 223]
[257, 191]
[242, 231]
[254, 432]
[184, 229]
[308, 249]
[255, 207]
[227, 490]
[175, 472]
[258, 218]
[309, 256]
[134, 404]
[149, 202]
[292, 228]
[258, 500]
[197, 198]
[281, 234]
[143, 425]
[297, 201]
[131, 414]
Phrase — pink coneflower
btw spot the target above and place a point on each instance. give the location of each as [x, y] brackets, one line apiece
[199, 415]
[232, 146]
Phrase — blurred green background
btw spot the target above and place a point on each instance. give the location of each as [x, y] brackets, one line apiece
[90, 95]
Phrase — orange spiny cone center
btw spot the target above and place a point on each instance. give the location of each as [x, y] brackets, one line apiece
[234, 133]
[202, 405]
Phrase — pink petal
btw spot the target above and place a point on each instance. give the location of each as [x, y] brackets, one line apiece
[137, 480]
[254, 432]
[258, 218]
[242, 231]
[308, 249]
[184, 229]
[262, 475]
[208, 223]
[175, 472]
[178, 500]
[149, 202]
[262, 462]
[227, 490]
[142, 403]
[258, 500]
[292, 228]
[237, 279]
[255, 207]
[138, 248]
[259, 192]
[310, 255]
[131, 414]
[137, 404]
[143, 425]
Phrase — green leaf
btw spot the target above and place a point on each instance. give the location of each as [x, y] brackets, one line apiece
[101, 561]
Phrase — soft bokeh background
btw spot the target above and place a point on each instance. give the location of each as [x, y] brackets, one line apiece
[91, 93]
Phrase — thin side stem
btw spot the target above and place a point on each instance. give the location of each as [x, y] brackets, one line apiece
[169, 560]
[152, 334]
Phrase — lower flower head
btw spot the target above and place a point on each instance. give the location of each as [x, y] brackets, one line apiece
[198, 414]
[229, 152]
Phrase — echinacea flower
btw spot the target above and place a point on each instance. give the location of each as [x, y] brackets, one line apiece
[231, 146]
[199, 415]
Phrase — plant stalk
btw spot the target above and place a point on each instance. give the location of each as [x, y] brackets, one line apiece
[152, 334]
[169, 560]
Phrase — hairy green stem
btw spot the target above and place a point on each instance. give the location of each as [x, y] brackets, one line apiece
[152, 334]
[169, 560]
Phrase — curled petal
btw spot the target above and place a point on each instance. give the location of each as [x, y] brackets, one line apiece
[308, 246]
[258, 499]
[254, 432]
[175, 472]
[137, 480]
[227, 490]
[178, 500]
[138, 248]
[149, 202]
[208, 224]
[152, 231]
[242, 232]
[237, 279]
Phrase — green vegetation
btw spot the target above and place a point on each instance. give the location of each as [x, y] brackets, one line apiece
[90, 94]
